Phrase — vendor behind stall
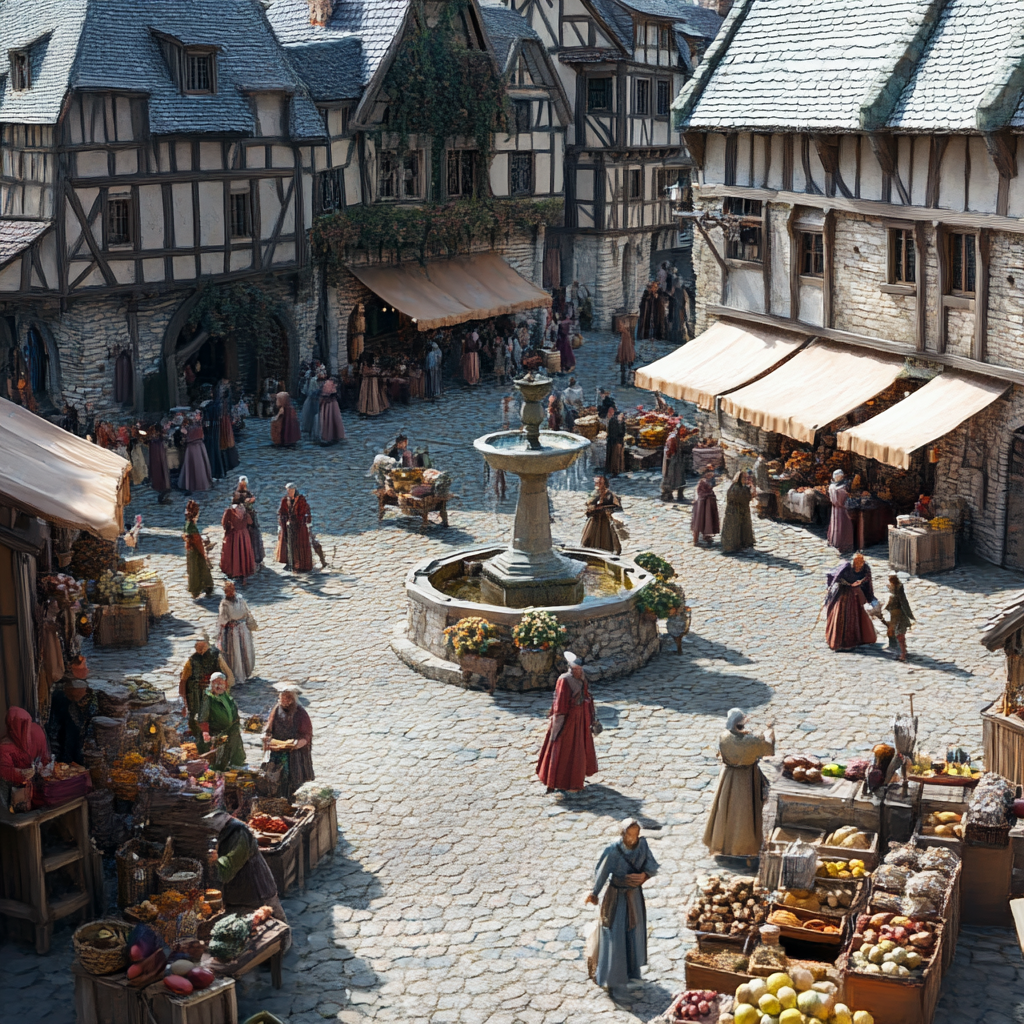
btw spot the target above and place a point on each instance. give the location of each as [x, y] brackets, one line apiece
[221, 725]
[72, 709]
[195, 677]
[241, 872]
[24, 744]
[289, 722]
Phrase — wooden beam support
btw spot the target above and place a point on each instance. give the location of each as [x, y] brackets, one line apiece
[794, 265]
[886, 152]
[935, 154]
[696, 144]
[766, 257]
[828, 244]
[76, 206]
[827, 147]
[921, 305]
[941, 277]
[981, 297]
[181, 356]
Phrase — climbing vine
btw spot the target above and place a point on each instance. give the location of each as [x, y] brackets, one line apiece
[439, 88]
[386, 231]
[252, 313]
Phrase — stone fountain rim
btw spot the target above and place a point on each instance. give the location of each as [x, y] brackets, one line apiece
[420, 589]
[482, 444]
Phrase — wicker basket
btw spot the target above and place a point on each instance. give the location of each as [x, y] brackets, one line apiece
[273, 805]
[588, 427]
[102, 961]
[177, 866]
[136, 862]
[987, 835]
[108, 733]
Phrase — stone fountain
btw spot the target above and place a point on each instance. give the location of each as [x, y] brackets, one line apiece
[529, 571]
[592, 593]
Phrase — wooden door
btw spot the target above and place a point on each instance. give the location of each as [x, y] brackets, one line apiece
[1014, 557]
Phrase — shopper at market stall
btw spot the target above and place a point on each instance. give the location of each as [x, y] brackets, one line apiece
[24, 743]
[197, 559]
[568, 756]
[734, 827]
[563, 342]
[605, 404]
[236, 624]
[239, 869]
[704, 522]
[221, 725]
[849, 589]
[294, 548]
[602, 503]
[572, 404]
[673, 474]
[237, 560]
[433, 363]
[763, 487]
[901, 618]
[614, 460]
[373, 395]
[399, 451]
[840, 526]
[737, 529]
[195, 677]
[622, 944]
[73, 706]
[243, 496]
[289, 721]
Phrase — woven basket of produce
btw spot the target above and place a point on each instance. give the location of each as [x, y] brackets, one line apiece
[112, 705]
[181, 874]
[273, 805]
[102, 946]
[108, 731]
[404, 480]
[653, 436]
[136, 862]
[587, 426]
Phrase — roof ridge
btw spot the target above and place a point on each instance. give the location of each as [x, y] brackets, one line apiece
[1002, 98]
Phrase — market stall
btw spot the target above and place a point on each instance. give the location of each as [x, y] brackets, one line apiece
[413, 491]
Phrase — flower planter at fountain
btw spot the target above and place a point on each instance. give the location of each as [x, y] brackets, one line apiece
[535, 660]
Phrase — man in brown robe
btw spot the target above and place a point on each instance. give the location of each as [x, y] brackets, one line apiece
[705, 509]
[294, 548]
[734, 826]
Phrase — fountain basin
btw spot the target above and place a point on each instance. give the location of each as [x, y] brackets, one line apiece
[605, 627]
[510, 451]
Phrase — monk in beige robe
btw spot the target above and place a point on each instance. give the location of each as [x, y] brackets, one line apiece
[734, 826]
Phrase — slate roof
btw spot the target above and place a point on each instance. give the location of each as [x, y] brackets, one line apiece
[700, 22]
[108, 44]
[618, 20]
[337, 60]
[505, 28]
[671, 9]
[822, 65]
[17, 235]
[1003, 623]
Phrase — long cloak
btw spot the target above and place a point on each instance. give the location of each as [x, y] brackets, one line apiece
[211, 438]
[294, 548]
[471, 361]
[622, 948]
[310, 410]
[735, 827]
[236, 555]
[219, 713]
[433, 367]
[248, 499]
[672, 476]
[565, 761]
[737, 529]
[614, 457]
[564, 345]
[598, 532]
[159, 476]
[236, 624]
[840, 525]
[197, 564]
[848, 625]
[705, 511]
[195, 466]
[297, 765]
[331, 428]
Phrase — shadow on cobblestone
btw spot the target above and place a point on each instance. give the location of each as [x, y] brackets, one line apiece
[603, 801]
[722, 652]
[769, 559]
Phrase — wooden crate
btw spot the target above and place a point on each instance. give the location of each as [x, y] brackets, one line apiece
[287, 860]
[703, 977]
[214, 1005]
[111, 1000]
[322, 835]
[893, 1000]
[869, 856]
[1003, 740]
[985, 882]
[808, 935]
[121, 625]
[921, 551]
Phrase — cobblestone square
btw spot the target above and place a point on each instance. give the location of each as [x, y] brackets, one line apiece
[456, 893]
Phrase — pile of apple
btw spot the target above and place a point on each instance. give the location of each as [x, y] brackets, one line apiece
[696, 1004]
[794, 998]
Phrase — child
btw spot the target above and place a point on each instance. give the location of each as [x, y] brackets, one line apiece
[676, 624]
[901, 618]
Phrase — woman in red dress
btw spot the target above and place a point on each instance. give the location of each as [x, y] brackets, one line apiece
[849, 589]
[236, 555]
[568, 754]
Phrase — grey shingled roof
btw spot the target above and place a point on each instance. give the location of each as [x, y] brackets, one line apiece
[1003, 623]
[109, 44]
[17, 235]
[837, 65]
[505, 28]
[670, 9]
[354, 42]
[618, 20]
[699, 22]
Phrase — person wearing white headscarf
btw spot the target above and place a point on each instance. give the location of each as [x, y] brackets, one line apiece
[840, 526]
[622, 948]
[734, 827]
[568, 756]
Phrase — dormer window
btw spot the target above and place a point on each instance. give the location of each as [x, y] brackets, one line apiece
[21, 72]
[193, 68]
[199, 71]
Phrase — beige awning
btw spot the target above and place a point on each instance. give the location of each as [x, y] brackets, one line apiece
[724, 357]
[453, 291]
[936, 409]
[60, 477]
[816, 386]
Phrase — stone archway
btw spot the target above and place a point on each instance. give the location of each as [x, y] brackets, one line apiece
[43, 359]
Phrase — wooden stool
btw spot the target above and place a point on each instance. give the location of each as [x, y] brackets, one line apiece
[21, 854]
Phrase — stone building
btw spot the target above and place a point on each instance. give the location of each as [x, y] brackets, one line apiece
[620, 63]
[858, 184]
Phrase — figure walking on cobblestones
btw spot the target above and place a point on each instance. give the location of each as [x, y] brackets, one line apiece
[284, 428]
[602, 503]
[568, 756]
[195, 677]
[244, 497]
[237, 560]
[471, 358]
[236, 624]
[433, 368]
[197, 559]
[622, 945]
[737, 529]
[625, 355]
[289, 721]
[901, 618]
[735, 824]
[849, 589]
[331, 428]
[705, 509]
[673, 475]
[614, 459]
[195, 466]
[294, 549]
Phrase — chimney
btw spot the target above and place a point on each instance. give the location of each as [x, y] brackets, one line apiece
[320, 11]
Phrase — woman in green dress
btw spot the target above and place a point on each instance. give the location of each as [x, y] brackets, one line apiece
[197, 561]
[222, 728]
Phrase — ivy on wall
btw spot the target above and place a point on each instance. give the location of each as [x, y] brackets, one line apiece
[244, 308]
[386, 231]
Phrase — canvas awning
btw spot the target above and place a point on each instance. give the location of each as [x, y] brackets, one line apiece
[453, 291]
[817, 385]
[60, 477]
[724, 357]
[942, 404]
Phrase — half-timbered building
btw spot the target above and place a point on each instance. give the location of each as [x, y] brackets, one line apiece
[147, 149]
[621, 62]
[858, 184]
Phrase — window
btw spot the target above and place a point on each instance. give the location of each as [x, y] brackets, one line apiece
[636, 184]
[198, 71]
[664, 99]
[461, 172]
[521, 109]
[902, 256]
[119, 221]
[599, 94]
[521, 174]
[400, 179]
[962, 264]
[666, 179]
[664, 44]
[748, 243]
[812, 254]
[21, 72]
[241, 219]
[642, 96]
[331, 194]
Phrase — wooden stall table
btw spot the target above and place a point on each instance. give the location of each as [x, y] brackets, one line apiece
[871, 525]
[920, 551]
[287, 859]
[22, 861]
[154, 593]
[1003, 741]
[269, 945]
[121, 625]
[322, 836]
[385, 497]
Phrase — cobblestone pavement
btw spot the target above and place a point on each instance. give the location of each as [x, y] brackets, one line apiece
[456, 893]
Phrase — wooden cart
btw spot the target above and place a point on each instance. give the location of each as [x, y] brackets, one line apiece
[410, 506]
